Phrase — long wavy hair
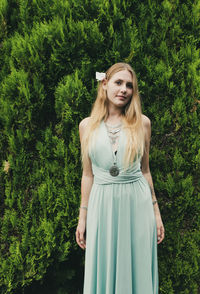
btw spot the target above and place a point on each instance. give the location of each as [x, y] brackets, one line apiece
[131, 119]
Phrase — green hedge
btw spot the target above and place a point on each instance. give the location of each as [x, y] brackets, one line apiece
[49, 53]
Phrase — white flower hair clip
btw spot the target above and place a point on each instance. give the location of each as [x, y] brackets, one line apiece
[100, 76]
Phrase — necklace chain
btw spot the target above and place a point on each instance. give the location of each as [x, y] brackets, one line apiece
[113, 132]
[113, 126]
[113, 135]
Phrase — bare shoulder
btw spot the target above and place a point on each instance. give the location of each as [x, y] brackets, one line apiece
[147, 127]
[83, 124]
[146, 121]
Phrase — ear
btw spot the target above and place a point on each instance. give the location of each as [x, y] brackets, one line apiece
[104, 84]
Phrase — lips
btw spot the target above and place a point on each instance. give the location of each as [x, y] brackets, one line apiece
[123, 97]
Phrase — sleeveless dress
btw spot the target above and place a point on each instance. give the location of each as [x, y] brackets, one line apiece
[121, 234]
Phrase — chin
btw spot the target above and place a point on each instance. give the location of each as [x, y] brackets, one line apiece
[121, 105]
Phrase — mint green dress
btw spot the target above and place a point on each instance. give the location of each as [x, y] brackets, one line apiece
[121, 234]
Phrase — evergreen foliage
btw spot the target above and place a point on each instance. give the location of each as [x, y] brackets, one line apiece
[49, 52]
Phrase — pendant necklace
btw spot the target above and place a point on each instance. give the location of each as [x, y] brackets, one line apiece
[114, 169]
[113, 134]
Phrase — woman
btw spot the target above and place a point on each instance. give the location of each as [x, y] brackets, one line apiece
[119, 221]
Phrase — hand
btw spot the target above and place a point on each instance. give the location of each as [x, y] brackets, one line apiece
[160, 229]
[80, 230]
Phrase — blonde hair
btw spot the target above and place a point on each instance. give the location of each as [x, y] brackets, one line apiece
[131, 118]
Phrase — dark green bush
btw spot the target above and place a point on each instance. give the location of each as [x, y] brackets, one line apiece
[49, 52]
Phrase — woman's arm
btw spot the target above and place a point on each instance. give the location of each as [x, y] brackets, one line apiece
[86, 185]
[147, 174]
[145, 161]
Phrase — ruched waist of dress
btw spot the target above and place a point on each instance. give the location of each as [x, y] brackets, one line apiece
[103, 176]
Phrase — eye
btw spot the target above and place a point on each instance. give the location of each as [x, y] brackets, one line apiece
[129, 85]
[118, 83]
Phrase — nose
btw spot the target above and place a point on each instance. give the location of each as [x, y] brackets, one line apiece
[123, 88]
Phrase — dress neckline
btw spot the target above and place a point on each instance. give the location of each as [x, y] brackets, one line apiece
[108, 139]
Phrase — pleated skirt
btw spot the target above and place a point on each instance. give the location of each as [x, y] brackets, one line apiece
[121, 240]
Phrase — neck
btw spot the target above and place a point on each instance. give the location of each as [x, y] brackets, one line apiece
[114, 114]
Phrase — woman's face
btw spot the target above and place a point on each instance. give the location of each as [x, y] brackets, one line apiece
[119, 88]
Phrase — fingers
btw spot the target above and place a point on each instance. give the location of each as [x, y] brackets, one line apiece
[80, 239]
[160, 234]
